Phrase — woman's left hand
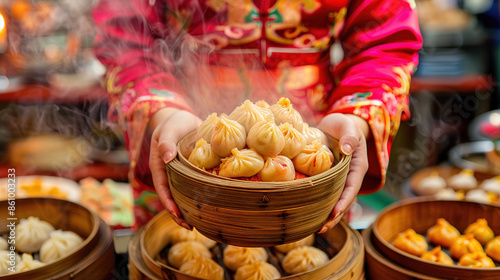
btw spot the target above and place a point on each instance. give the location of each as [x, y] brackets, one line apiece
[352, 132]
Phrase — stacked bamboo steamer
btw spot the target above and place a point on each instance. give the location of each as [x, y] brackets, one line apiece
[93, 259]
[343, 244]
[384, 261]
[254, 214]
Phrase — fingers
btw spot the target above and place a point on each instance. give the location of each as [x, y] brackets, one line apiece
[172, 131]
[352, 140]
[163, 149]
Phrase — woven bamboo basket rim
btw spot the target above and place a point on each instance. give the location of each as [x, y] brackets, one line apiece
[373, 255]
[414, 262]
[156, 235]
[74, 256]
[340, 160]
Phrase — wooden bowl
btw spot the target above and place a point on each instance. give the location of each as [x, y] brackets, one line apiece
[344, 243]
[378, 267]
[87, 259]
[254, 214]
[420, 214]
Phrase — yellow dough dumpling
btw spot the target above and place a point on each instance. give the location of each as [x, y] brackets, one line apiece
[185, 251]
[285, 248]
[476, 259]
[411, 242]
[464, 180]
[303, 259]
[235, 257]
[181, 234]
[481, 231]
[438, 256]
[257, 271]
[203, 268]
[442, 233]
[465, 244]
[493, 249]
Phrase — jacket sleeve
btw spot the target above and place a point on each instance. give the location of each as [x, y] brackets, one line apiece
[140, 78]
[381, 40]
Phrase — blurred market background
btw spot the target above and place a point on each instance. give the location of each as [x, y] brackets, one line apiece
[53, 108]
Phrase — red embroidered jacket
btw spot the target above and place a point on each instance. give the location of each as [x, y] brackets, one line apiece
[209, 56]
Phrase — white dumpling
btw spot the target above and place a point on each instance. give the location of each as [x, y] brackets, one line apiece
[277, 169]
[477, 195]
[284, 112]
[431, 185]
[227, 135]
[235, 257]
[185, 251]
[314, 159]
[294, 140]
[60, 244]
[207, 127]
[266, 138]
[448, 194]
[248, 114]
[203, 156]
[31, 233]
[257, 271]
[8, 261]
[464, 180]
[181, 234]
[491, 185]
[3, 244]
[28, 263]
[303, 259]
[285, 248]
[242, 163]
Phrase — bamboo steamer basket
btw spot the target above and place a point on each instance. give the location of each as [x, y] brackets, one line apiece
[378, 267]
[347, 262]
[422, 213]
[94, 258]
[254, 214]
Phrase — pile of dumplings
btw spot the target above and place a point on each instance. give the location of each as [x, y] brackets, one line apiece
[268, 143]
[194, 254]
[466, 248]
[461, 186]
[38, 238]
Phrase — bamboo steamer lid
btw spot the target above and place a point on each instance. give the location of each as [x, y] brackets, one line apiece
[254, 214]
[145, 246]
[94, 258]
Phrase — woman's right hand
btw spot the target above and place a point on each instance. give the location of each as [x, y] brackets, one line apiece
[169, 126]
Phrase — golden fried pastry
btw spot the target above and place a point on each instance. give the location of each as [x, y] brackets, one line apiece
[476, 259]
[442, 233]
[438, 256]
[493, 248]
[411, 242]
[465, 244]
[481, 231]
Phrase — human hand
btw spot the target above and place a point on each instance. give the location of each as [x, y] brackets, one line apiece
[352, 132]
[169, 125]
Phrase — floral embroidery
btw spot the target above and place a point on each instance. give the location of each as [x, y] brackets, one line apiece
[396, 98]
[163, 92]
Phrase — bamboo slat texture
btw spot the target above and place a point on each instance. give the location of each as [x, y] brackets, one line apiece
[254, 214]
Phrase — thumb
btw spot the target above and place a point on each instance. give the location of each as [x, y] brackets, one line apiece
[175, 128]
[343, 128]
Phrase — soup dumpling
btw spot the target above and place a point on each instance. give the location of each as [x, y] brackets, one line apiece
[437, 255]
[302, 259]
[481, 231]
[184, 251]
[257, 271]
[442, 233]
[204, 268]
[277, 169]
[235, 257]
[411, 242]
[493, 249]
[476, 259]
[465, 244]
